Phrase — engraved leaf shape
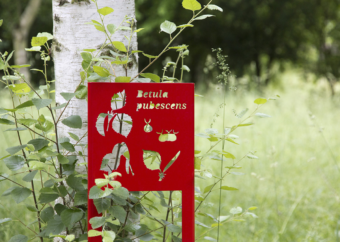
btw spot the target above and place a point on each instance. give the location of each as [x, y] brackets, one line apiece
[112, 161]
[153, 160]
[108, 121]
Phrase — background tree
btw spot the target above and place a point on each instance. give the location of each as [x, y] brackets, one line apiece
[25, 18]
[323, 25]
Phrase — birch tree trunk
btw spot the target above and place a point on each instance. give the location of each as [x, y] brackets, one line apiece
[71, 36]
[20, 35]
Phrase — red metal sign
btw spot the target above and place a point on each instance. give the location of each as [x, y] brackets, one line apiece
[157, 117]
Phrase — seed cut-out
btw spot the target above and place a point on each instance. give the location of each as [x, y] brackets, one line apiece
[147, 127]
[167, 137]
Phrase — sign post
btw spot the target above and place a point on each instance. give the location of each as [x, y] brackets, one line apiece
[129, 122]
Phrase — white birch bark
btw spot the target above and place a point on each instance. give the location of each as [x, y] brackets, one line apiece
[71, 36]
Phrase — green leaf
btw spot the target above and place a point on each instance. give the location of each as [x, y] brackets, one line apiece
[102, 204]
[6, 121]
[123, 79]
[5, 220]
[74, 136]
[16, 129]
[30, 176]
[45, 34]
[54, 226]
[186, 68]
[27, 121]
[111, 28]
[38, 143]
[152, 76]
[1, 22]
[214, 7]
[260, 101]
[138, 30]
[236, 210]
[73, 121]
[168, 27]
[150, 56]
[231, 140]
[228, 155]
[47, 214]
[20, 66]
[62, 159]
[25, 105]
[80, 198]
[97, 222]
[8, 191]
[59, 208]
[20, 88]
[252, 156]
[75, 183]
[101, 182]
[101, 71]
[228, 188]
[71, 216]
[14, 162]
[94, 233]
[11, 78]
[242, 113]
[209, 238]
[197, 163]
[86, 56]
[15, 149]
[105, 11]
[185, 26]
[81, 92]
[35, 48]
[109, 236]
[70, 238]
[121, 192]
[38, 41]
[204, 17]
[208, 188]
[47, 195]
[119, 45]
[174, 228]
[118, 212]
[19, 194]
[96, 192]
[192, 5]
[40, 103]
[68, 146]
[262, 115]
[19, 238]
[67, 96]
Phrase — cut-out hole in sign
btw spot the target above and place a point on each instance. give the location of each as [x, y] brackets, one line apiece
[123, 121]
[153, 161]
[119, 153]
[120, 123]
[169, 136]
[160, 215]
[118, 100]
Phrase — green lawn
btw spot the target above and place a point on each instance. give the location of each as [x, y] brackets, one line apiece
[294, 184]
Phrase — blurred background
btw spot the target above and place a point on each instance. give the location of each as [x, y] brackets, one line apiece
[286, 48]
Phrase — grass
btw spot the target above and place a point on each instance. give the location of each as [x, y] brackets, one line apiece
[295, 183]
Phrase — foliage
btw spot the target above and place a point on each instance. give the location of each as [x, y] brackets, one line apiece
[53, 159]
